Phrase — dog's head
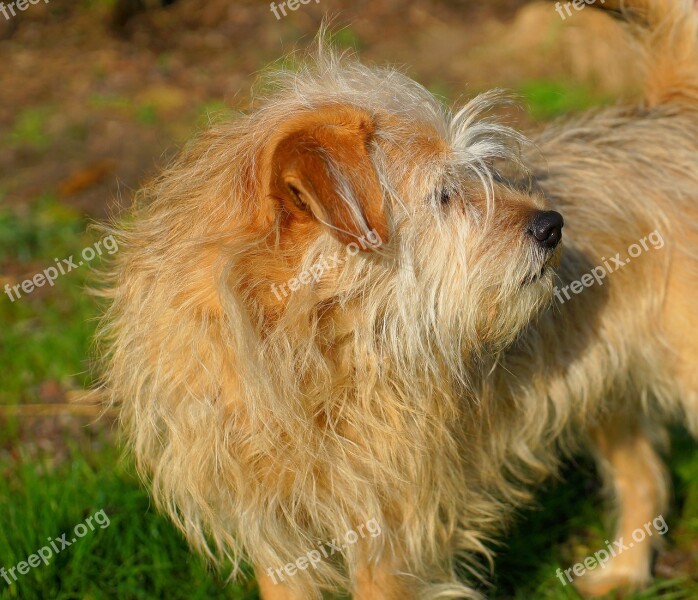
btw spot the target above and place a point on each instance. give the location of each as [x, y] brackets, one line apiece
[374, 205]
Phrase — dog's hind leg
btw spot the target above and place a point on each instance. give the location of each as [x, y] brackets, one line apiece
[680, 321]
[637, 479]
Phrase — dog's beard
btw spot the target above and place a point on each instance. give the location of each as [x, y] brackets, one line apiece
[463, 308]
[490, 290]
[524, 294]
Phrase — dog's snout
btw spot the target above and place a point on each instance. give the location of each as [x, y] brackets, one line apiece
[546, 228]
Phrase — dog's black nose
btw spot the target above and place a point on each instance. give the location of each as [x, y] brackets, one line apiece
[546, 227]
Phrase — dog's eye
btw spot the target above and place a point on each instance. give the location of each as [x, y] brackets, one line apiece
[444, 197]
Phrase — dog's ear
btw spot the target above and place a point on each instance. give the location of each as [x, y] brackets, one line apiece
[321, 168]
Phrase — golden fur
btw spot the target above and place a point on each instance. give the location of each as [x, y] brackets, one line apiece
[428, 381]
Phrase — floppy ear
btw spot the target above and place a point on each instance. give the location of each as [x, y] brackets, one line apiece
[321, 168]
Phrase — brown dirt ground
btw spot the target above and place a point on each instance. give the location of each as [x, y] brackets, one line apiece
[114, 106]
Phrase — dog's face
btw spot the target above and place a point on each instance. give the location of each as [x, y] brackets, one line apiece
[453, 254]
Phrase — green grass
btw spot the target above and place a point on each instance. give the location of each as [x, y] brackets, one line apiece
[345, 38]
[46, 335]
[147, 114]
[213, 112]
[51, 326]
[144, 113]
[138, 555]
[30, 128]
[549, 99]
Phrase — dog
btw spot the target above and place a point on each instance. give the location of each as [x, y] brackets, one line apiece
[428, 381]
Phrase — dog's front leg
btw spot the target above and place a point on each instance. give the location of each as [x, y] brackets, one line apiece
[274, 590]
[383, 581]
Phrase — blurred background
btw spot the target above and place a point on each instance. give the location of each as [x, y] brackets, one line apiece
[95, 97]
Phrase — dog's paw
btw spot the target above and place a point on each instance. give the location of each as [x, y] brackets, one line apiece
[596, 584]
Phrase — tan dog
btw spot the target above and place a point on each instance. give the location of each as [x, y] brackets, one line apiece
[372, 395]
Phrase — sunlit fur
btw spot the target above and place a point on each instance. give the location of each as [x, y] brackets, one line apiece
[378, 392]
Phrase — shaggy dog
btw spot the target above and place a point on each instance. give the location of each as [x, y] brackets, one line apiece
[424, 382]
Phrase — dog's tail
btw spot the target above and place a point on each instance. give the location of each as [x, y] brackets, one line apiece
[668, 33]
